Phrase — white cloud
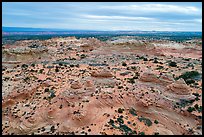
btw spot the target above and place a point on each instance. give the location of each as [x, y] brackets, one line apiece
[198, 20]
[18, 14]
[152, 8]
[118, 18]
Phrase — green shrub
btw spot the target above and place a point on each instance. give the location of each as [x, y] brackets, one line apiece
[56, 69]
[131, 80]
[160, 67]
[72, 59]
[120, 120]
[189, 81]
[186, 59]
[133, 67]
[120, 110]
[156, 122]
[190, 109]
[26, 79]
[24, 66]
[184, 102]
[147, 121]
[196, 94]
[199, 109]
[145, 59]
[120, 87]
[155, 61]
[141, 57]
[173, 64]
[134, 132]
[197, 98]
[111, 122]
[33, 65]
[41, 71]
[141, 133]
[196, 106]
[136, 75]
[71, 65]
[126, 129]
[46, 90]
[124, 64]
[83, 56]
[190, 65]
[52, 94]
[189, 75]
[60, 64]
[133, 112]
[77, 65]
[69, 48]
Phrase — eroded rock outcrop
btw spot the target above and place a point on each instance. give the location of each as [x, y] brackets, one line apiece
[179, 87]
[76, 85]
[149, 77]
[167, 79]
[101, 74]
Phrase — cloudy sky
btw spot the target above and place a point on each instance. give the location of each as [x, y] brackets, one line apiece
[159, 16]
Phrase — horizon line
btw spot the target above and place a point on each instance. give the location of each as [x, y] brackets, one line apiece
[67, 29]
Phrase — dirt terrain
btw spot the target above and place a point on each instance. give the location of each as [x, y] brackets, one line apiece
[86, 86]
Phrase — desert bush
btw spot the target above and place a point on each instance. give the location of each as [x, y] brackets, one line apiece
[141, 133]
[71, 65]
[46, 90]
[156, 122]
[120, 110]
[41, 71]
[120, 120]
[124, 64]
[173, 64]
[83, 56]
[133, 112]
[131, 80]
[189, 81]
[126, 129]
[145, 59]
[196, 94]
[190, 109]
[147, 121]
[189, 76]
[33, 65]
[24, 66]
[155, 61]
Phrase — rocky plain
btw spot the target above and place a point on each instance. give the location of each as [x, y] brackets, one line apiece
[123, 86]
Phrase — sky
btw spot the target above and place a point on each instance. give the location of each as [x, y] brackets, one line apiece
[110, 16]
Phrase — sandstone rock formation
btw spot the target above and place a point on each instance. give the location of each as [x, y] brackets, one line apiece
[101, 74]
[149, 77]
[179, 87]
[76, 85]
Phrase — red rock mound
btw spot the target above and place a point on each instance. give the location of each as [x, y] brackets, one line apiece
[103, 74]
[76, 85]
[179, 87]
[149, 77]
